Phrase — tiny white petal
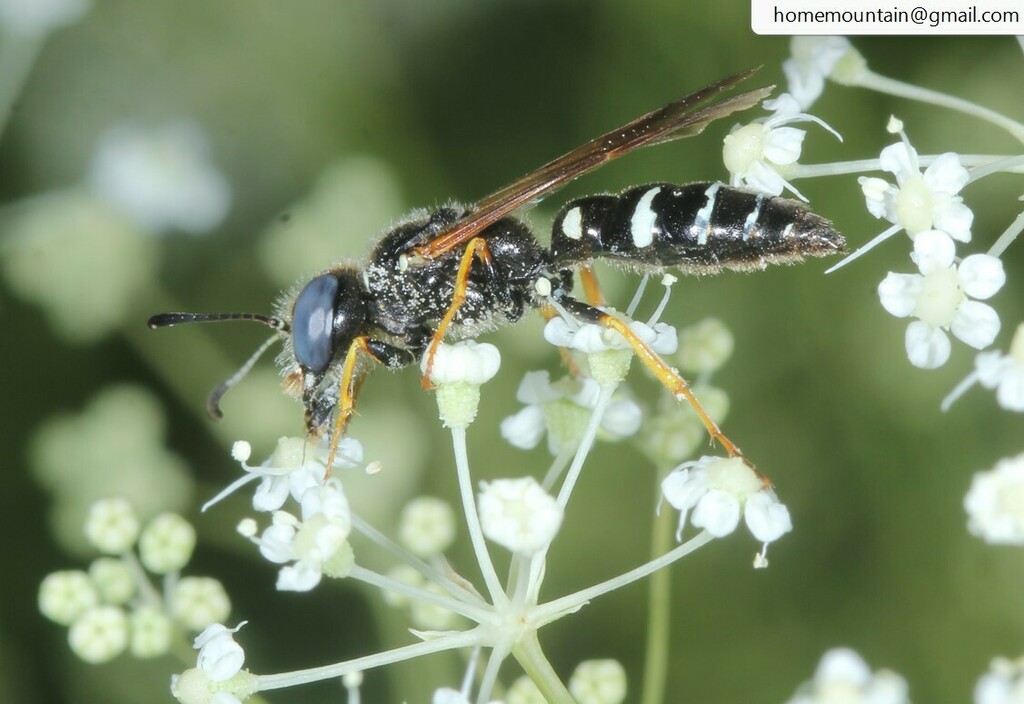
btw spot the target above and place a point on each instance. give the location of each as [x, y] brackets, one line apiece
[276, 543]
[271, 493]
[927, 347]
[588, 393]
[783, 145]
[1010, 394]
[875, 191]
[990, 367]
[535, 388]
[933, 250]
[298, 577]
[981, 275]
[975, 323]
[766, 517]
[946, 173]
[524, 429]
[683, 488]
[558, 332]
[898, 293]
[955, 219]
[220, 657]
[899, 160]
[718, 512]
[765, 179]
[622, 418]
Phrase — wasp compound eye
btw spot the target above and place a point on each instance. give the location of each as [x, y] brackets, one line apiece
[313, 323]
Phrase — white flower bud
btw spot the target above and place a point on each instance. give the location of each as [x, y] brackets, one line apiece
[403, 574]
[100, 634]
[199, 601]
[151, 632]
[705, 346]
[66, 595]
[518, 514]
[112, 526]
[426, 615]
[598, 682]
[113, 579]
[427, 526]
[166, 544]
[524, 691]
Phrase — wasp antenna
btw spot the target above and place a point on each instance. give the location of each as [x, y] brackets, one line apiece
[213, 400]
[164, 320]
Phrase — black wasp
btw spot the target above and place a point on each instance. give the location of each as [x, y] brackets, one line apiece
[461, 271]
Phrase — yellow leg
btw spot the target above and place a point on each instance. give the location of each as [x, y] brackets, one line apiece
[346, 398]
[671, 380]
[477, 247]
[591, 286]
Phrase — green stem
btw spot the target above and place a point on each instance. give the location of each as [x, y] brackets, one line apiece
[882, 84]
[659, 609]
[534, 663]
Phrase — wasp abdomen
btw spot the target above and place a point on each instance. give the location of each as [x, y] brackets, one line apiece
[698, 228]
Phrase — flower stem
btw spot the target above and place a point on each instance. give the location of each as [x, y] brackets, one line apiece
[376, 579]
[586, 442]
[882, 84]
[1007, 163]
[449, 641]
[476, 534]
[552, 610]
[533, 661]
[659, 609]
[1008, 237]
[429, 572]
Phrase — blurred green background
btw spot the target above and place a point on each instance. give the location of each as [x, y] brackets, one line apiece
[330, 120]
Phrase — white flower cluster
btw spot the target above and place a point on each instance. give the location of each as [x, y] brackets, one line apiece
[843, 677]
[720, 492]
[561, 410]
[313, 543]
[113, 606]
[218, 677]
[944, 297]
[760, 154]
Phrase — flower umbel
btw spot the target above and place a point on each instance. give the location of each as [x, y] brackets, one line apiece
[938, 297]
[720, 491]
[1002, 372]
[995, 503]
[758, 155]
[843, 677]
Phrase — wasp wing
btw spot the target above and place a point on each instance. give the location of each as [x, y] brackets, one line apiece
[682, 118]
